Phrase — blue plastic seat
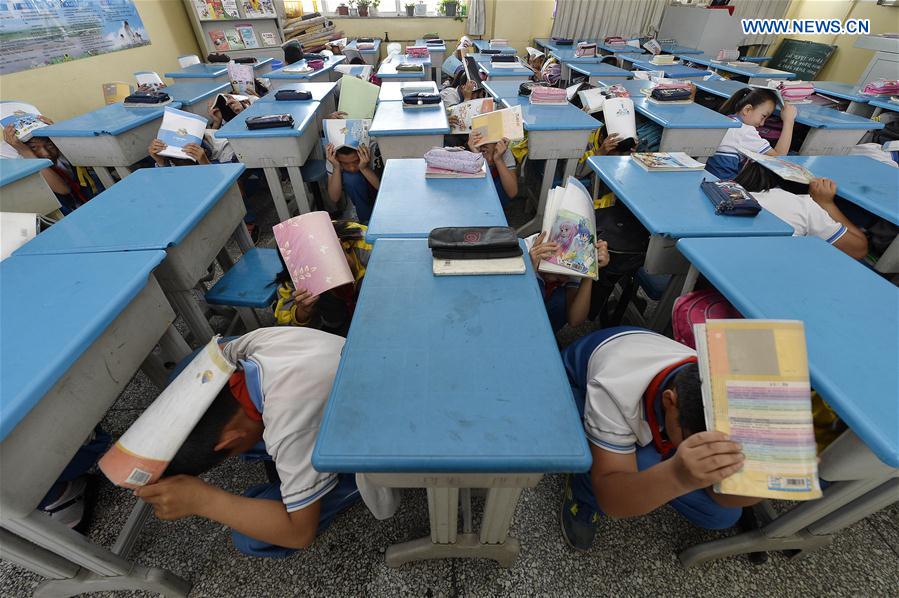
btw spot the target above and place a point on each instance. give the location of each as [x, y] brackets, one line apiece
[653, 285]
[251, 282]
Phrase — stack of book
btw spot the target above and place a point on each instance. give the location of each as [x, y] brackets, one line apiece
[553, 96]
[663, 59]
[417, 51]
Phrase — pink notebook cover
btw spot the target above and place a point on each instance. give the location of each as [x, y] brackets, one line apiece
[312, 252]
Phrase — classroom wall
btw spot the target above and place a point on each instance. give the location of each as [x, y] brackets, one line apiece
[65, 90]
[847, 63]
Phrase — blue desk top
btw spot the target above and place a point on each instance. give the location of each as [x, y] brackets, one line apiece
[409, 205]
[375, 50]
[14, 169]
[113, 119]
[151, 209]
[754, 70]
[844, 91]
[850, 334]
[200, 71]
[758, 59]
[189, 92]
[91, 290]
[319, 90]
[823, 117]
[392, 91]
[502, 89]
[566, 55]
[678, 49]
[387, 70]
[303, 113]
[632, 55]
[674, 71]
[676, 116]
[330, 63]
[552, 118]
[865, 182]
[473, 382]
[392, 119]
[723, 88]
[483, 44]
[673, 205]
[619, 48]
[435, 47]
[598, 70]
[262, 62]
[497, 72]
[547, 43]
[885, 104]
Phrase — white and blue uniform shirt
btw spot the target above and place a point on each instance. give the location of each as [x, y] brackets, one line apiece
[807, 218]
[728, 160]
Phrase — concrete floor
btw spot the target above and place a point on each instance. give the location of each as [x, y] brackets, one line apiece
[634, 557]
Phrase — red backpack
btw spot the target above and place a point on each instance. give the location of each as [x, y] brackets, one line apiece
[696, 308]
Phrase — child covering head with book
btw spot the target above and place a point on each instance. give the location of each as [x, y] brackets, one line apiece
[351, 171]
[501, 163]
[751, 106]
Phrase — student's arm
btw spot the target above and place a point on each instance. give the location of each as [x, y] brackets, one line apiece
[265, 520]
[335, 183]
[788, 116]
[578, 300]
[853, 242]
[56, 183]
[157, 146]
[365, 167]
[700, 461]
[507, 176]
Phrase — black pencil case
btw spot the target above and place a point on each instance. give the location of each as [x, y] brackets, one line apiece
[473, 242]
[670, 95]
[503, 58]
[289, 95]
[270, 121]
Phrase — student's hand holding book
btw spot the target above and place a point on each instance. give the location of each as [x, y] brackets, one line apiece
[364, 158]
[788, 112]
[542, 250]
[609, 144]
[196, 152]
[499, 150]
[331, 156]
[602, 254]
[468, 90]
[9, 136]
[177, 496]
[157, 146]
[822, 191]
[304, 303]
[215, 115]
[706, 458]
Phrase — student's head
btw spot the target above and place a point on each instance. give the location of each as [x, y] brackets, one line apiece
[225, 430]
[293, 52]
[752, 105]
[356, 60]
[230, 105]
[756, 178]
[682, 409]
[487, 150]
[43, 148]
[348, 158]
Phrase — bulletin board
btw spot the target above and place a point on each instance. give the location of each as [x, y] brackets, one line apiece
[36, 33]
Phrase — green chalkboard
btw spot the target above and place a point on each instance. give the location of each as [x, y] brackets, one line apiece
[806, 59]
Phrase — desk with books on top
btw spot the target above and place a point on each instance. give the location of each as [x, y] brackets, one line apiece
[600, 72]
[443, 413]
[114, 136]
[554, 133]
[860, 383]
[194, 94]
[672, 71]
[393, 91]
[484, 44]
[753, 73]
[190, 212]
[291, 73]
[23, 188]
[323, 92]
[438, 55]
[388, 71]
[281, 147]
[518, 73]
[370, 56]
[858, 102]
[217, 73]
[567, 58]
[410, 205]
[408, 132]
[626, 59]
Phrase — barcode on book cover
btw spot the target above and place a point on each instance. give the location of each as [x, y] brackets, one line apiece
[788, 484]
[138, 477]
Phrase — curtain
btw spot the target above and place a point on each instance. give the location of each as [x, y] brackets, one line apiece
[477, 17]
[759, 9]
[599, 18]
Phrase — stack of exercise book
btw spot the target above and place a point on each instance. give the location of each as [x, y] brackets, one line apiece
[313, 31]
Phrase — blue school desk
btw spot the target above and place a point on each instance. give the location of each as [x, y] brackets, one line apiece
[678, 49]
[881, 104]
[500, 88]
[408, 132]
[287, 75]
[858, 102]
[369, 56]
[392, 91]
[283, 147]
[195, 94]
[190, 212]
[673, 71]
[627, 58]
[618, 48]
[753, 72]
[851, 318]
[438, 55]
[60, 375]
[554, 133]
[208, 72]
[723, 88]
[23, 189]
[110, 137]
[567, 59]
[387, 71]
[411, 206]
[671, 205]
[322, 92]
[596, 72]
[519, 73]
[547, 45]
[484, 44]
[474, 395]
[867, 183]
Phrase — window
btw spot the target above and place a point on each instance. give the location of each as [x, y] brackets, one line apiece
[384, 8]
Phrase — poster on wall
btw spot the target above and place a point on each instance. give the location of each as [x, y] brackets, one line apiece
[36, 33]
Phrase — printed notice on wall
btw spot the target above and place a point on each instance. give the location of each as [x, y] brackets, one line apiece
[36, 33]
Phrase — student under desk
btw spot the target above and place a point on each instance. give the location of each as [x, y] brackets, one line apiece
[408, 132]
[410, 206]
[60, 375]
[190, 212]
[110, 137]
[850, 320]
[438, 55]
[393, 91]
[369, 56]
[830, 131]
[858, 102]
[600, 72]
[671, 205]
[282, 147]
[519, 73]
[754, 73]
[474, 395]
[554, 133]
[688, 128]
[195, 94]
[215, 73]
[867, 183]
[285, 76]
[23, 188]
[387, 71]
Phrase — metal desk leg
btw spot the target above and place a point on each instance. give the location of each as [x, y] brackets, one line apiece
[242, 237]
[889, 261]
[536, 223]
[172, 346]
[185, 304]
[274, 186]
[104, 175]
[662, 317]
[570, 167]
[34, 558]
[858, 509]
[122, 171]
[299, 189]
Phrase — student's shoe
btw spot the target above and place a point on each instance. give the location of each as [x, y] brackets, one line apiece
[579, 522]
[68, 509]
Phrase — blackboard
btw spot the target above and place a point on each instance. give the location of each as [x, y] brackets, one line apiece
[806, 59]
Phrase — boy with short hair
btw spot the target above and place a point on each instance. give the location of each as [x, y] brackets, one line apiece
[277, 395]
[501, 163]
[351, 171]
[639, 393]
